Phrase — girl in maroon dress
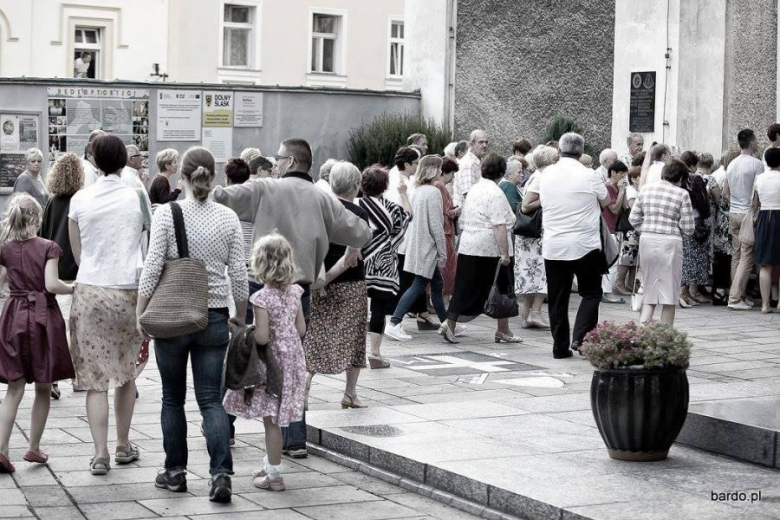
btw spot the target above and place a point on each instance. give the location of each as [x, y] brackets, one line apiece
[33, 344]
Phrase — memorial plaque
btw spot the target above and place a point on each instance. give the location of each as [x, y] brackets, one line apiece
[642, 106]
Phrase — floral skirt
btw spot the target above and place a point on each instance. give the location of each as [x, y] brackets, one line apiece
[336, 339]
[530, 276]
[629, 249]
[104, 342]
[696, 261]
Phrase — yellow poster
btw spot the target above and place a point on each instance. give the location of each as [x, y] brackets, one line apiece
[217, 109]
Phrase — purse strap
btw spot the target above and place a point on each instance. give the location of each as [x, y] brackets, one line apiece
[181, 232]
[498, 270]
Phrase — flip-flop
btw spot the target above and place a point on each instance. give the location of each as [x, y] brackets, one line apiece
[618, 301]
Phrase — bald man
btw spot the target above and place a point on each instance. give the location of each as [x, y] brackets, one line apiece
[470, 172]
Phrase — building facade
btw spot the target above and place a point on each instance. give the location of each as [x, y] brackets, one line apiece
[352, 44]
[690, 73]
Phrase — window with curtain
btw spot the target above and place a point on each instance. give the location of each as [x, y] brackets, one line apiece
[238, 35]
[396, 49]
[324, 43]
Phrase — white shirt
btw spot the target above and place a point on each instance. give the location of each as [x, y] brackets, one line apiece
[393, 195]
[570, 195]
[131, 178]
[742, 174]
[654, 172]
[602, 173]
[487, 207]
[324, 186]
[91, 173]
[81, 68]
[768, 188]
[469, 173]
[109, 217]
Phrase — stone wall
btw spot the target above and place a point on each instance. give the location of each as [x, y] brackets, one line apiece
[517, 63]
[750, 95]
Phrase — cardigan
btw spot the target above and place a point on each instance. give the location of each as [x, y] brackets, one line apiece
[295, 208]
[388, 222]
[54, 227]
[425, 244]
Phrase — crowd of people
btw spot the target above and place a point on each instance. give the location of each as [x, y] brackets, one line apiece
[307, 272]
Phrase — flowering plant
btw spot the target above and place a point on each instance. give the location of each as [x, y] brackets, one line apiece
[653, 345]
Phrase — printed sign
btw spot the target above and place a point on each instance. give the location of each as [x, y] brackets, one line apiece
[9, 133]
[12, 165]
[249, 109]
[217, 109]
[219, 141]
[642, 105]
[179, 115]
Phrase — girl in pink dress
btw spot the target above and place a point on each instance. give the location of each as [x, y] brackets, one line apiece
[280, 325]
[33, 345]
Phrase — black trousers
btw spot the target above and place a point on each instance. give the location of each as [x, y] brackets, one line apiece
[560, 275]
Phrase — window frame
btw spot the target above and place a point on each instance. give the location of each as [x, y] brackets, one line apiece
[395, 40]
[254, 26]
[340, 45]
[96, 49]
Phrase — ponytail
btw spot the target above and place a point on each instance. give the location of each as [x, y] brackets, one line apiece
[200, 182]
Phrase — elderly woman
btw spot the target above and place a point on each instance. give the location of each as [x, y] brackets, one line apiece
[662, 214]
[515, 167]
[629, 245]
[530, 276]
[323, 182]
[214, 237]
[696, 248]
[388, 222]
[426, 248]
[336, 339]
[31, 181]
[484, 245]
[168, 163]
[448, 168]
[105, 228]
[250, 154]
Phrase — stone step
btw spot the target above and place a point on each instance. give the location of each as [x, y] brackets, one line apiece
[746, 429]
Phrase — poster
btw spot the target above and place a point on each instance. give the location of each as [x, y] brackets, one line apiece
[219, 141]
[179, 115]
[249, 109]
[75, 112]
[217, 109]
[9, 133]
[12, 165]
[28, 132]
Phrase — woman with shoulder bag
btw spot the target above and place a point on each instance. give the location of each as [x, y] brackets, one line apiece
[212, 234]
[696, 248]
[530, 276]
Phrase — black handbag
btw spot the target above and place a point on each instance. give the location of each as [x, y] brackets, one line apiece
[500, 306]
[701, 232]
[623, 225]
[528, 225]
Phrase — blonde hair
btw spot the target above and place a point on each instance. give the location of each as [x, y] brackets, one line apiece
[247, 154]
[273, 261]
[428, 169]
[32, 152]
[344, 177]
[165, 158]
[66, 176]
[544, 156]
[197, 166]
[21, 219]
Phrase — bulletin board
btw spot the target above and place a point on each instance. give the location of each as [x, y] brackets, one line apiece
[18, 133]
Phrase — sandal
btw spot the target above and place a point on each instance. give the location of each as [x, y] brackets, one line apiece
[351, 401]
[37, 458]
[126, 454]
[378, 362]
[618, 301]
[100, 465]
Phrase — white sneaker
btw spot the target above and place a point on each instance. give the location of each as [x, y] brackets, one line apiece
[749, 303]
[740, 306]
[396, 332]
[460, 329]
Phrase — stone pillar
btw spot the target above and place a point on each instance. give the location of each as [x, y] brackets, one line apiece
[750, 86]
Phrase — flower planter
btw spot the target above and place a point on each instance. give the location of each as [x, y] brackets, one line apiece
[639, 411]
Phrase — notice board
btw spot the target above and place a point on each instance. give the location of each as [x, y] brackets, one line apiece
[642, 105]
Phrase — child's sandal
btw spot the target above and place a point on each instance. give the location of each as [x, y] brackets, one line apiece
[100, 465]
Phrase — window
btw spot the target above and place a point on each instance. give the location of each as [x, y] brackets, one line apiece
[396, 49]
[87, 49]
[238, 35]
[325, 43]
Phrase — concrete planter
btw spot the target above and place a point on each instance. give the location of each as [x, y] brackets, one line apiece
[639, 412]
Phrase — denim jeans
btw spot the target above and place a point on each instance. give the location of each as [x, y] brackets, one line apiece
[294, 436]
[207, 349]
[417, 288]
[250, 310]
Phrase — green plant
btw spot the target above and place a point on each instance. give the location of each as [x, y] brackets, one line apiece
[378, 141]
[652, 345]
[559, 125]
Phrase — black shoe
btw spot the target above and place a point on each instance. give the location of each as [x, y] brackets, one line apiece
[176, 482]
[563, 355]
[55, 391]
[427, 324]
[576, 348]
[221, 489]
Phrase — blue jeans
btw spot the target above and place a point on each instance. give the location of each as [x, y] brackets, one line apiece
[415, 290]
[207, 349]
[250, 310]
[294, 436]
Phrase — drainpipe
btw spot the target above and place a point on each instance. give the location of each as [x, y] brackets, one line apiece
[449, 72]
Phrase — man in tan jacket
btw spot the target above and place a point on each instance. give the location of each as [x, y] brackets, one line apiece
[309, 218]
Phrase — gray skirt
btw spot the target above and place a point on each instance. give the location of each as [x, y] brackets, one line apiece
[660, 259]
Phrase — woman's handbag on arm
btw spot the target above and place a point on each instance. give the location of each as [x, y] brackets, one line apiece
[500, 306]
[528, 225]
[180, 303]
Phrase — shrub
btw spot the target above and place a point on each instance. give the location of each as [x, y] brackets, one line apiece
[653, 345]
[560, 125]
[377, 141]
